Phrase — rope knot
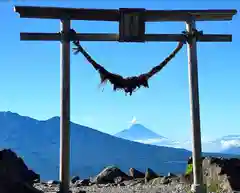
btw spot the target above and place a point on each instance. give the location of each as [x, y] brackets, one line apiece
[190, 35]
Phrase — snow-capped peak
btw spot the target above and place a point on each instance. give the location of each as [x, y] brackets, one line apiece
[139, 133]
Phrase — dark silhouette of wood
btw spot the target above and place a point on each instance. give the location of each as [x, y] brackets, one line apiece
[114, 14]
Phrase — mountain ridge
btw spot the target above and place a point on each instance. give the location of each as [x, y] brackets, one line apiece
[229, 144]
[91, 150]
[137, 131]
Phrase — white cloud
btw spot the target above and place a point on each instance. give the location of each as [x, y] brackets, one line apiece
[161, 142]
[151, 141]
[230, 143]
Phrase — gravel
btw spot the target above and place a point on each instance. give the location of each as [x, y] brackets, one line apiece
[131, 188]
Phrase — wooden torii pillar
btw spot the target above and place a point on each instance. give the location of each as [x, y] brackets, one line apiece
[131, 29]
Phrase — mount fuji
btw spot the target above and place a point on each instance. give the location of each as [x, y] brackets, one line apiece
[141, 134]
[229, 144]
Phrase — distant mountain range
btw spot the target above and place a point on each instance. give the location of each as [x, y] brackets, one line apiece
[228, 144]
[232, 150]
[91, 150]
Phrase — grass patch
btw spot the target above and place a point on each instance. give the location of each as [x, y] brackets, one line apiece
[189, 169]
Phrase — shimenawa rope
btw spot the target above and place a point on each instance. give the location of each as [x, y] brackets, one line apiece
[128, 84]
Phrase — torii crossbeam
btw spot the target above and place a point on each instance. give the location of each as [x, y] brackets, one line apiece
[131, 29]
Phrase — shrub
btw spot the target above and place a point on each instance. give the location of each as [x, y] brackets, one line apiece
[189, 169]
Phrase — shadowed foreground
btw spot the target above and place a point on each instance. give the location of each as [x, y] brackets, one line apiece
[220, 175]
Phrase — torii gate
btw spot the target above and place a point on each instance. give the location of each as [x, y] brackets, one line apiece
[131, 29]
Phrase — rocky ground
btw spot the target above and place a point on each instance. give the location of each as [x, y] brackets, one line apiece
[112, 179]
[132, 186]
[221, 176]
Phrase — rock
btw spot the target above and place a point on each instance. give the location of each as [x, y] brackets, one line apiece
[23, 188]
[135, 173]
[118, 180]
[69, 191]
[121, 184]
[190, 159]
[219, 172]
[150, 174]
[171, 175]
[84, 182]
[225, 172]
[74, 179]
[134, 182]
[186, 178]
[109, 174]
[161, 180]
[166, 180]
[15, 175]
[52, 182]
[15, 166]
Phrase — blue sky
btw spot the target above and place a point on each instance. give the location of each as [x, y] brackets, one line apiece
[30, 73]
